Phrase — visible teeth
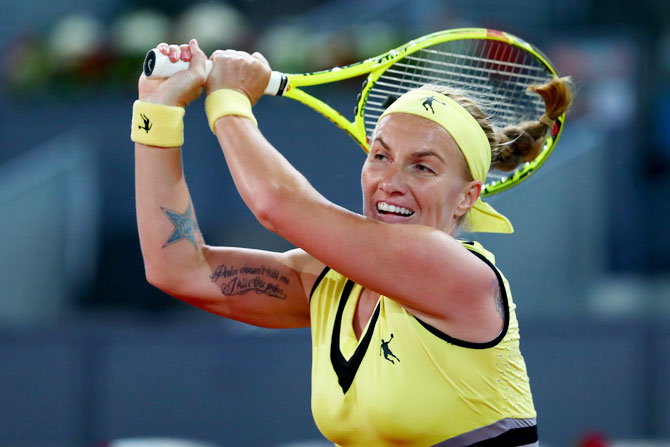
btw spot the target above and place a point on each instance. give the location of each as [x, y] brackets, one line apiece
[385, 207]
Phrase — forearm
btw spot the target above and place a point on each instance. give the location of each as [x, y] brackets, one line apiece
[254, 286]
[264, 179]
[169, 236]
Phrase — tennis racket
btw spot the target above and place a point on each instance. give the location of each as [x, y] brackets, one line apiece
[493, 68]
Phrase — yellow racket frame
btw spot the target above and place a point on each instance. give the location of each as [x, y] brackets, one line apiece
[374, 67]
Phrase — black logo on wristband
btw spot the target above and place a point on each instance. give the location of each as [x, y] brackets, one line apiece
[147, 123]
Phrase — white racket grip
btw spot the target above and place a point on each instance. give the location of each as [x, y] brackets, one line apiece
[158, 66]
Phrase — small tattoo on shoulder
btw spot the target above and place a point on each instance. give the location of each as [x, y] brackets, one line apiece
[184, 224]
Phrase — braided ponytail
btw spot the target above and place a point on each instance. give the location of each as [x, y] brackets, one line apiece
[521, 143]
[518, 144]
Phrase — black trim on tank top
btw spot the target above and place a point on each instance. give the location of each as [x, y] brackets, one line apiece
[469, 344]
[511, 438]
[319, 278]
[346, 369]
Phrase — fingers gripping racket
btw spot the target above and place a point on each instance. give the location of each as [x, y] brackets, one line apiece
[492, 67]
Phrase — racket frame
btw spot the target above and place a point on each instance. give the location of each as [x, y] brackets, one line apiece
[375, 67]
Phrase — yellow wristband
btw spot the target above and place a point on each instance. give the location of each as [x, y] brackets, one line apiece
[227, 102]
[157, 125]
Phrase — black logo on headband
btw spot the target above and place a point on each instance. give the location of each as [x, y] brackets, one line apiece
[428, 103]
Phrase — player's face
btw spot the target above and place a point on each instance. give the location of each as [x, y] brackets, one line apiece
[415, 173]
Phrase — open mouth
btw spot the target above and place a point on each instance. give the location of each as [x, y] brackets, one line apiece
[385, 208]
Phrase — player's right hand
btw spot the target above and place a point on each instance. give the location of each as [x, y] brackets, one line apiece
[237, 70]
[184, 86]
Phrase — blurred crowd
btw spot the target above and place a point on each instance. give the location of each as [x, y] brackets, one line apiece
[80, 50]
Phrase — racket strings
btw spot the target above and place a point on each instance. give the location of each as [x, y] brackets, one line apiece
[483, 75]
[494, 74]
[504, 114]
[473, 60]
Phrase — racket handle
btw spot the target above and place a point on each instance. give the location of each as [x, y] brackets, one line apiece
[158, 66]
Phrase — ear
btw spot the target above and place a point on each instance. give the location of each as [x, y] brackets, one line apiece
[469, 195]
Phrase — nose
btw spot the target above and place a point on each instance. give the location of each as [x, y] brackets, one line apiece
[393, 181]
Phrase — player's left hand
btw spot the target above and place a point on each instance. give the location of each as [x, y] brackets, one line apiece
[237, 70]
[181, 88]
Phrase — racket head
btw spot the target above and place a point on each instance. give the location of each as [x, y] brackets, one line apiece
[491, 67]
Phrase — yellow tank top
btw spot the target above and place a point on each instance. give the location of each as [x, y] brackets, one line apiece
[406, 383]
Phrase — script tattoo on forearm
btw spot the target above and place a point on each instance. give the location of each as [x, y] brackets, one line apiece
[185, 226]
[240, 280]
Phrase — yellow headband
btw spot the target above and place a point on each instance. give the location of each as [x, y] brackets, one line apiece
[472, 142]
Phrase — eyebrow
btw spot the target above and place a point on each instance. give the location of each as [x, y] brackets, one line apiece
[383, 143]
[427, 153]
[418, 154]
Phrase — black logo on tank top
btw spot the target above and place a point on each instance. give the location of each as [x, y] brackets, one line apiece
[428, 103]
[384, 349]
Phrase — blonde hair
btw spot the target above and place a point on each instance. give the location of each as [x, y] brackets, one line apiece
[520, 143]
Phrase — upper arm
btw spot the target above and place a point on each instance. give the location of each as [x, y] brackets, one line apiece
[425, 269]
[262, 288]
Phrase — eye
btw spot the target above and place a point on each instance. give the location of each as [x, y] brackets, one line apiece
[379, 155]
[423, 169]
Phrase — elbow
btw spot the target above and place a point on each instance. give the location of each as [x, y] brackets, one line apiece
[278, 205]
[160, 279]
[265, 218]
[155, 278]
[277, 200]
[270, 206]
[166, 284]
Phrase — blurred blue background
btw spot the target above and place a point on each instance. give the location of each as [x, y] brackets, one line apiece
[90, 353]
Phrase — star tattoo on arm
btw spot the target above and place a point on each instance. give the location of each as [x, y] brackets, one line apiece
[185, 226]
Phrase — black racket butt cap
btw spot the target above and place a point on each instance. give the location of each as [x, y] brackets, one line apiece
[149, 63]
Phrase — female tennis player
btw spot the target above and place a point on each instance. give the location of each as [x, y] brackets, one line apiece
[415, 338]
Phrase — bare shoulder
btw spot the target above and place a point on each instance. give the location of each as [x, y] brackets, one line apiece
[306, 266]
[475, 310]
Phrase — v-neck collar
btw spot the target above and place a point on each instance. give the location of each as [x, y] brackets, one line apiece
[346, 369]
[348, 339]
